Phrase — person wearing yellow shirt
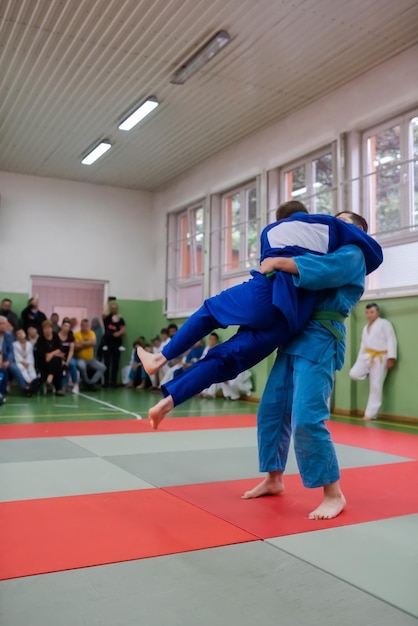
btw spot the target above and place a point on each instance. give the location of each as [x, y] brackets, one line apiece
[85, 340]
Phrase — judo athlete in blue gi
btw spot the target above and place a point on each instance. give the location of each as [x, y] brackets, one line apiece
[295, 399]
[269, 310]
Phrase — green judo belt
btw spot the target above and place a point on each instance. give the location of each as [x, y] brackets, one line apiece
[326, 317]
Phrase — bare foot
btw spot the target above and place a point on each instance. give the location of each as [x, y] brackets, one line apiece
[367, 418]
[158, 412]
[150, 362]
[270, 486]
[330, 507]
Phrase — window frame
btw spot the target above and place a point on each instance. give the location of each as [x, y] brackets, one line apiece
[307, 160]
[408, 231]
[243, 190]
[175, 280]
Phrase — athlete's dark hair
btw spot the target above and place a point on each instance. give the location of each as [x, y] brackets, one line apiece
[372, 305]
[289, 208]
[358, 220]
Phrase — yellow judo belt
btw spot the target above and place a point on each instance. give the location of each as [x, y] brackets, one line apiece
[375, 353]
[326, 317]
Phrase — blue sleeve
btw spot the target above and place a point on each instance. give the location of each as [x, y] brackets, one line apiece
[8, 354]
[343, 267]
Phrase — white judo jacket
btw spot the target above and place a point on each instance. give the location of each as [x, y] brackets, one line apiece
[379, 338]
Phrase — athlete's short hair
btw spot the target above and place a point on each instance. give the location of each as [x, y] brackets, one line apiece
[358, 220]
[289, 208]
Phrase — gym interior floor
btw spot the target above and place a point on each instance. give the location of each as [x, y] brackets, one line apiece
[107, 522]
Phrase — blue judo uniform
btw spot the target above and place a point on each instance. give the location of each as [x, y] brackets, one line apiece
[295, 399]
[269, 311]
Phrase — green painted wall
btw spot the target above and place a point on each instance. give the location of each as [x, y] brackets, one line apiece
[142, 318]
[401, 387]
[400, 395]
[20, 301]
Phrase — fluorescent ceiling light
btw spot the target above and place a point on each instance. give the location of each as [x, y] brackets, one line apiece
[97, 152]
[202, 56]
[139, 113]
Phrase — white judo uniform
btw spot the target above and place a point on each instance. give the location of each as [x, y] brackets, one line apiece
[24, 354]
[232, 389]
[378, 344]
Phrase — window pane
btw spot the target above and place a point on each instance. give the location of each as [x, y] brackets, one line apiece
[198, 227]
[232, 232]
[296, 183]
[385, 179]
[252, 231]
[322, 184]
[185, 250]
[414, 129]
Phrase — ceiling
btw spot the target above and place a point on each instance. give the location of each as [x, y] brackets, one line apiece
[70, 70]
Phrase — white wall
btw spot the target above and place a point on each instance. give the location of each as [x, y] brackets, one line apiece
[60, 228]
[387, 90]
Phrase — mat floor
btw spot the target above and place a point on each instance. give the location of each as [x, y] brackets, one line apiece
[107, 522]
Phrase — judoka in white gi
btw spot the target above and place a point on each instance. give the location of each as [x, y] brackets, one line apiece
[377, 355]
[24, 358]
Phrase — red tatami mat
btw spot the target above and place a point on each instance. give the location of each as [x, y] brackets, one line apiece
[360, 436]
[372, 493]
[118, 427]
[55, 534]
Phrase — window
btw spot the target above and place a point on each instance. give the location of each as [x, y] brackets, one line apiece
[190, 243]
[312, 180]
[413, 134]
[240, 232]
[234, 237]
[391, 177]
[185, 260]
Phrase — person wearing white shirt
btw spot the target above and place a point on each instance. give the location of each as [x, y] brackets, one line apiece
[377, 355]
[23, 353]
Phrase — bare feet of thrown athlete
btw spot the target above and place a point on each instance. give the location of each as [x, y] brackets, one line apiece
[158, 412]
[272, 485]
[332, 504]
[150, 362]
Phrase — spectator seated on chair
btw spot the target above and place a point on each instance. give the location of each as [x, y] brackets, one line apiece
[8, 365]
[85, 340]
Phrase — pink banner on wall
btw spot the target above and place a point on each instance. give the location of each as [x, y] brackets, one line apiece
[69, 297]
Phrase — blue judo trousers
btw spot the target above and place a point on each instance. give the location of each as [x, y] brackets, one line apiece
[267, 329]
[295, 399]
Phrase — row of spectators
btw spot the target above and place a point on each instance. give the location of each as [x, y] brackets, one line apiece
[37, 351]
